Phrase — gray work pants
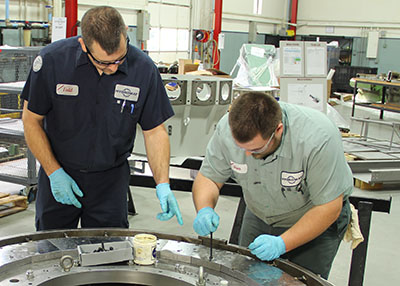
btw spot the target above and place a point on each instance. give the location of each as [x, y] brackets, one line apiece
[316, 255]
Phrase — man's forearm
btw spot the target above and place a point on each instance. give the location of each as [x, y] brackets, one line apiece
[312, 224]
[158, 153]
[38, 142]
[205, 192]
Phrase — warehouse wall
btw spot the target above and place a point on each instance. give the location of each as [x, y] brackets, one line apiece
[388, 55]
[336, 18]
[348, 18]
[237, 14]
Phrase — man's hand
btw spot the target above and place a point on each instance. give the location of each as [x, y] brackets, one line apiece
[206, 221]
[268, 247]
[168, 203]
[64, 188]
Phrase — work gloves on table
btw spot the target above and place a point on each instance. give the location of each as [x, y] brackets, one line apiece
[206, 221]
[169, 205]
[267, 247]
[64, 188]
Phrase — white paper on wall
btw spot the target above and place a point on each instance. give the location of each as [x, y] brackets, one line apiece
[310, 95]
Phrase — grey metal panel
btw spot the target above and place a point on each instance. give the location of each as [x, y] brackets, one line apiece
[350, 147]
[203, 92]
[373, 156]
[225, 92]
[385, 175]
[364, 166]
[177, 95]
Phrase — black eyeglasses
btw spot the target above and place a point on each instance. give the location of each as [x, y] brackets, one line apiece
[106, 64]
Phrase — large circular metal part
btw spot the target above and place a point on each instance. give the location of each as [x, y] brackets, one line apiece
[203, 92]
[65, 258]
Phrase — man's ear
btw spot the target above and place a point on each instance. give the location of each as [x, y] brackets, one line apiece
[83, 46]
[279, 129]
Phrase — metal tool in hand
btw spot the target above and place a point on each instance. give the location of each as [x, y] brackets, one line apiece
[211, 245]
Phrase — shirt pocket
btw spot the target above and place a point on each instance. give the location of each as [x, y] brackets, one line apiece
[123, 119]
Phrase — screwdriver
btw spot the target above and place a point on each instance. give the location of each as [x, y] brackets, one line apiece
[211, 245]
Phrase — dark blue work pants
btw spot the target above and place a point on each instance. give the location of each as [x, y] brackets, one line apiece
[104, 201]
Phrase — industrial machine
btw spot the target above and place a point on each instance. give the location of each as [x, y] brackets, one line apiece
[199, 102]
[52, 258]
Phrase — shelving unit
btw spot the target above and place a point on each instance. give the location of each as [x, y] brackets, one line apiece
[382, 106]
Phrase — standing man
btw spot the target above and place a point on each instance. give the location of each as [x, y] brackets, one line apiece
[83, 99]
[290, 164]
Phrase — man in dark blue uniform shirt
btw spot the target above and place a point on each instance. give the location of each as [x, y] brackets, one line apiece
[83, 99]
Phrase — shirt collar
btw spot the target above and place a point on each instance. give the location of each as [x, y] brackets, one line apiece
[285, 148]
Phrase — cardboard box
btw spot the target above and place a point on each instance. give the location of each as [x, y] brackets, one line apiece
[329, 88]
[186, 65]
[219, 73]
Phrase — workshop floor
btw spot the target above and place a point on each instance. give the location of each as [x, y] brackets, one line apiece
[383, 248]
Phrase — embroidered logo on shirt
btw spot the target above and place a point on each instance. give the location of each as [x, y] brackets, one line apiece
[37, 64]
[126, 92]
[67, 89]
[239, 168]
[291, 179]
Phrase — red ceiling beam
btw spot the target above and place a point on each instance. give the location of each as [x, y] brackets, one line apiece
[293, 17]
[217, 31]
[71, 13]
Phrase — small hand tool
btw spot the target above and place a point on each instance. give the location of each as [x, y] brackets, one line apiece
[211, 246]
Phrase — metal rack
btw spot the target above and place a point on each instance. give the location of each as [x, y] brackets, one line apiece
[383, 106]
[21, 171]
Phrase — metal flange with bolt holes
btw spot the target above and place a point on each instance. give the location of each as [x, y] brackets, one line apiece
[51, 258]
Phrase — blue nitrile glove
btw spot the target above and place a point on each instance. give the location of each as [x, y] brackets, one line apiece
[168, 203]
[268, 247]
[206, 221]
[64, 188]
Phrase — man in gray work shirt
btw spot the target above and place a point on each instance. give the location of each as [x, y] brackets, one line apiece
[289, 161]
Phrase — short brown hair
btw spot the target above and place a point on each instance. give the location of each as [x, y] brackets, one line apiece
[104, 25]
[254, 113]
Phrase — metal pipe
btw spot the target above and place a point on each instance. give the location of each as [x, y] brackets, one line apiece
[57, 8]
[25, 9]
[285, 14]
[20, 10]
[217, 31]
[7, 12]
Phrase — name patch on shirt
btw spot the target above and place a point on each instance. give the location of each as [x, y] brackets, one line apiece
[239, 168]
[291, 179]
[126, 92]
[67, 89]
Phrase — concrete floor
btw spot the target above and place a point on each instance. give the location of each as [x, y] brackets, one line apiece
[383, 254]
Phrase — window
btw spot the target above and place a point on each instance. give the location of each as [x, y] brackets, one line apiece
[168, 40]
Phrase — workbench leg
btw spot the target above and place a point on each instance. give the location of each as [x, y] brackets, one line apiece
[354, 99]
[131, 205]
[237, 224]
[359, 256]
[383, 101]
